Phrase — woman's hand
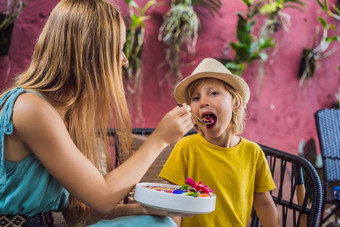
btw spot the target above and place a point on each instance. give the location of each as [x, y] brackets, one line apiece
[153, 211]
[174, 125]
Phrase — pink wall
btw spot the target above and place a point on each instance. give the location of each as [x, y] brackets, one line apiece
[280, 112]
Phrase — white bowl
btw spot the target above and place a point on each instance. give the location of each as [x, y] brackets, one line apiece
[173, 202]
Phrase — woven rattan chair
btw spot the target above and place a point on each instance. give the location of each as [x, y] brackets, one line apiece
[328, 128]
[298, 198]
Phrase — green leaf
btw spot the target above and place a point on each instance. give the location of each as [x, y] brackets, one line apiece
[320, 4]
[211, 5]
[184, 187]
[267, 43]
[236, 68]
[332, 26]
[232, 65]
[323, 22]
[336, 9]
[248, 3]
[325, 5]
[147, 6]
[333, 38]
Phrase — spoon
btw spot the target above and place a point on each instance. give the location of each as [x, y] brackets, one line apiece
[195, 116]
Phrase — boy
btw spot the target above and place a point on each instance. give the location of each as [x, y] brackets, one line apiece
[234, 166]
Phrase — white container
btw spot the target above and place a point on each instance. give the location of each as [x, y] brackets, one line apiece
[173, 202]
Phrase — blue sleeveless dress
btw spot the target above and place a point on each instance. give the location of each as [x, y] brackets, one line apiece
[27, 188]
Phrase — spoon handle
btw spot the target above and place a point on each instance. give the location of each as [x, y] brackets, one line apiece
[195, 116]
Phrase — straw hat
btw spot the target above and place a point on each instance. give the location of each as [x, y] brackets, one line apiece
[211, 68]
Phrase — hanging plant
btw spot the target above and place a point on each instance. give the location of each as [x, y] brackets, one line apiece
[181, 27]
[275, 17]
[7, 21]
[335, 13]
[248, 47]
[337, 8]
[133, 50]
[310, 56]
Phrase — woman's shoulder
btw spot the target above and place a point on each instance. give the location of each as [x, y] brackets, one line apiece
[30, 108]
[29, 105]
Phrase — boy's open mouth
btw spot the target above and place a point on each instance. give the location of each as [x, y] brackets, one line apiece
[210, 118]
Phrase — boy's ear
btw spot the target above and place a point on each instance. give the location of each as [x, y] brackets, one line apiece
[237, 103]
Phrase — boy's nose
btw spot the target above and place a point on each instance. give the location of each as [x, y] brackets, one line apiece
[204, 101]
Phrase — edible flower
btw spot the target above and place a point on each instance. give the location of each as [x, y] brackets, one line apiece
[195, 190]
[199, 187]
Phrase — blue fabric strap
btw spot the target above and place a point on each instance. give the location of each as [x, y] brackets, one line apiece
[6, 126]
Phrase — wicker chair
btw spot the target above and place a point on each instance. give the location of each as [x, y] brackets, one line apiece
[298, 198]
[328, 128]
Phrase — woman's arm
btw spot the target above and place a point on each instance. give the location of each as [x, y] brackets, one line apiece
[38, 125]
[121, 210]
[70, 214]
[177, 220]
[266, 210]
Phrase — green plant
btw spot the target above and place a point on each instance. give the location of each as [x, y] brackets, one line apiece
[311, 55]
[324, 6]
[272, 10]
[133, 50]
[135, 38]
[181, 27]
[7, 20]
[13, 10]
[249, 47]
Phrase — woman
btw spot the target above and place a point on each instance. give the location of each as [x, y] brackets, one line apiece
[54, 114]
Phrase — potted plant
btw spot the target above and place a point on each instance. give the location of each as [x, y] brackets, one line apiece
[179, 32]
[133, 50]
[335, 13]
[311, 55]
[248, 47]
[7, 20]
[275, 18]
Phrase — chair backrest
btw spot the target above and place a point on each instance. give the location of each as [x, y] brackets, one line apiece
[328, 128]
[298, 198]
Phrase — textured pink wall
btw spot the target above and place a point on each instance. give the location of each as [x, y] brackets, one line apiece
[280, 112]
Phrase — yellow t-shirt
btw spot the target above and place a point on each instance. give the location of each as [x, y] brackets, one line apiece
[235, 174]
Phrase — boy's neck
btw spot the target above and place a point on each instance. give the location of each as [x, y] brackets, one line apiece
[228, 140]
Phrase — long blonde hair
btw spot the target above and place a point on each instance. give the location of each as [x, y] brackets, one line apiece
[76, 65]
